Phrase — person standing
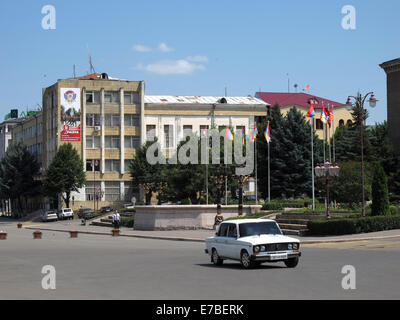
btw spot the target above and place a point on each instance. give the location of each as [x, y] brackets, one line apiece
[116, 219]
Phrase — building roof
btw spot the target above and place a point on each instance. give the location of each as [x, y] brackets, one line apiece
[298, 99]
[160, 99]
[97, 76]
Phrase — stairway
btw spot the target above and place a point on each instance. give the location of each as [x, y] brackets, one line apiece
[106, 220]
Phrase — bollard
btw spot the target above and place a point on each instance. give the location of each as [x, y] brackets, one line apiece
[19, 225]
[3, 235]
[115, 232]
[74, 234]
[37, 234]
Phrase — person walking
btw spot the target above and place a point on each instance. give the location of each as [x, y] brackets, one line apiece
[116, 219]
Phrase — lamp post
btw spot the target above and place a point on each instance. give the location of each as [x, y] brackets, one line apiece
[327, 173]
[359, 106]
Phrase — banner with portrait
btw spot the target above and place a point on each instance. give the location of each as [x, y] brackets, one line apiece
[70, 114]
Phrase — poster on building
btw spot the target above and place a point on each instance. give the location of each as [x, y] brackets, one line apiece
[70, 114]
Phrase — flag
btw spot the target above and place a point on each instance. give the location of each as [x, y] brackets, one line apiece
[243, 136]
[204, 132]
[330, 117]
[228, 134]
[311, 111]
[323, 116]
[307, 87]
[267, 134]
[254, 134]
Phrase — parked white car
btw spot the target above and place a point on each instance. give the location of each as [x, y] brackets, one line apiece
[252, 242]
[49, 216]
[66, 213]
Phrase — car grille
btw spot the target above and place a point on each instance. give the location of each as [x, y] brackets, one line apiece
[276, 247]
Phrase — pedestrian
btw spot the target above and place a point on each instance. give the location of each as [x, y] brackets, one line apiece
[116, 219]
[218, 217]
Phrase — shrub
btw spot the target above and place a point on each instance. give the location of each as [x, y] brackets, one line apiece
[186, 201]
[352, 225]
[287, 203]
[380, 197]
[127, 222]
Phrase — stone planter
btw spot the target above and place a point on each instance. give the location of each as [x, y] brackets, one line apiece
[37, 234]
[19, 225]
[74, 234]
[115, 232]
[3, 235]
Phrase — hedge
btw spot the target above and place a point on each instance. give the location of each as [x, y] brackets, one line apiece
[288, 203]
[352, 225]
[127, 222]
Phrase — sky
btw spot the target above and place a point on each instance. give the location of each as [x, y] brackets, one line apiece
[183, 47]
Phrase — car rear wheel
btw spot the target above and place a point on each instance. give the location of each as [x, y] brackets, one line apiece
[215, 258]
[245, 260]
[292, 262]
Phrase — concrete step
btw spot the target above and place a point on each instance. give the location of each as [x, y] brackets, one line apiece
[101, 224]
[289, 232]
[107, 220]
[291, 221]
[288, 226]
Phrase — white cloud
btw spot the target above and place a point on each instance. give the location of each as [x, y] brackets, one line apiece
[141, 48]
[166, 67]
[164, 48]
[201, 59]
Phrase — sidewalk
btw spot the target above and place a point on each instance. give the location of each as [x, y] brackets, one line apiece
[198, 235]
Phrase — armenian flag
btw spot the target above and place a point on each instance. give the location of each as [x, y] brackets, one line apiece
[267, 134]
[254, 134]
[228, 134]
[330, 117]
[323, 116]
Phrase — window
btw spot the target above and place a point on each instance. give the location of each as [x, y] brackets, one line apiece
[150, 132]
[112, 191]
[241, 130]
[89, 190]
[319, 124]
[131, 97]
[257, 228]
[349, 122]
[341, 122]
[127, 163]
[223, 228]
[92, 119]
[112, 120]
[232, 233]
[131, 142]
[112, 141]
[111, 97]
[93, 97]
[168, 136]
[92, 142]
[89, 165]
[203, 130]
[131, 120]
[113, 165]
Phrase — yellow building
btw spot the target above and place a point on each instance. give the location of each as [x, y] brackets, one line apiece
[302, 101]
[100, 116]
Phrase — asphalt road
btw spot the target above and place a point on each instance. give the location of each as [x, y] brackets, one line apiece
[103, 267]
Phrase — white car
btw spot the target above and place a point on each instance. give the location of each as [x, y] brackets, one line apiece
[49, 216]
[252, 242]
[66, 213]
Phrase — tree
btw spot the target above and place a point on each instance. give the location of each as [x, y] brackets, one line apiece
[18, 170]
[65, 173]
[145, 174]
[290, 160]
[380, 196]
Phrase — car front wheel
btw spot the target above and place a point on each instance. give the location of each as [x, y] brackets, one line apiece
[292, 262]
[246, 261]
[215, 258]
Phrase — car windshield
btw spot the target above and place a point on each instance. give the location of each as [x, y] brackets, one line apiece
[257, 228]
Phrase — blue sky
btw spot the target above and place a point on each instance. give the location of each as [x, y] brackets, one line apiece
[184, 47]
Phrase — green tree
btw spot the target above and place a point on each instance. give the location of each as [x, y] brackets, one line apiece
[65, 173]
[145, 174]
[18, 170]
[380, 196]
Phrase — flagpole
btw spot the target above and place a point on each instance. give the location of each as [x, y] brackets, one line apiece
[255, 155]
[333, 137]
[323, 128]
[312, 163]
[269, 174]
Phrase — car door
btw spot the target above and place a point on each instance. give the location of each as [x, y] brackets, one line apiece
[220, 239]
[231, 246]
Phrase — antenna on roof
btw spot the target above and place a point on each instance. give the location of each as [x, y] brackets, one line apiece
[226, 89]
[74, 72]
[90, 61]
[288, 83]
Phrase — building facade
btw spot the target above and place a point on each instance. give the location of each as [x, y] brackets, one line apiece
[392, 69]
[286, 101]
[100, 117]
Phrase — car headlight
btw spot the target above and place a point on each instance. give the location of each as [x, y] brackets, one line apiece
[262, 248]
[295, 246]
[290, 246]
[256, 249]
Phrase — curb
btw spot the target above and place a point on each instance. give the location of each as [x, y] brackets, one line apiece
[203, 240]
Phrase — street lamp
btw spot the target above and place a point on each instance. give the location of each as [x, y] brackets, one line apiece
[327, 173]
[359, 106]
